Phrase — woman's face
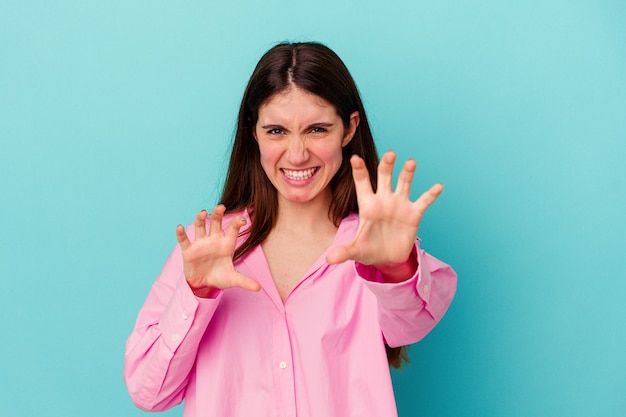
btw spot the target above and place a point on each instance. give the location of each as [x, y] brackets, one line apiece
[300, 137]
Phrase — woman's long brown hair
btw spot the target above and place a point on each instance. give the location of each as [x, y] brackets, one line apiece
[315, 68]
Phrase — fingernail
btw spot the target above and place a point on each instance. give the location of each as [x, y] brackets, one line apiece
[243, 220]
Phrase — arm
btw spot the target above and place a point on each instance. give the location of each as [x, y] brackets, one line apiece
[161, 350]
[413, 289]
[408, 310]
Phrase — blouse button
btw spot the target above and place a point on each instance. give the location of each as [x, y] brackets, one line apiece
[282, 365]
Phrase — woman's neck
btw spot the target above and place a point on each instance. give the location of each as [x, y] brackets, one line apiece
[309, 217]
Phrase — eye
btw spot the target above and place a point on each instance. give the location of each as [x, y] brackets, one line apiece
[275, 131]
[319, 130]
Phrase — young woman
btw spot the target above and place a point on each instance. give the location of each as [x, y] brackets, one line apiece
[297, 292]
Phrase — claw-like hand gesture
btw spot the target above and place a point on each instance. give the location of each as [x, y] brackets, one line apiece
[208, 260]
[388, 220]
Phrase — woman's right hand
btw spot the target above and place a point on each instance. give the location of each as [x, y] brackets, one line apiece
[208, 260]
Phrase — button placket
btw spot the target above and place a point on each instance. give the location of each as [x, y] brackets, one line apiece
[283, 364]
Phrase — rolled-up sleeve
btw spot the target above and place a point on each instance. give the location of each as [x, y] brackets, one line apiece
[409, 310]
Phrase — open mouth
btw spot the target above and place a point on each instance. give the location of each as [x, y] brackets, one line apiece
[300, 175]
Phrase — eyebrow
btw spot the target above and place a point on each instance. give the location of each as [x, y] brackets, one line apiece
[316, 124]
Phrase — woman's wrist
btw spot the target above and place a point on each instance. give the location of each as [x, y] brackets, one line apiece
[204, 291]
[397, 272]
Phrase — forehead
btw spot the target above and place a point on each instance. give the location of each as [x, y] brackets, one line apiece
[296, 102]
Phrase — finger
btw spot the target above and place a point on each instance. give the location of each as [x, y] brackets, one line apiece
[247, 283]
[232, 231]
[181, 236]
[428, 198]
[385, 172]
[200, 224]
[405, 179]
[216, 219]
[362, 183]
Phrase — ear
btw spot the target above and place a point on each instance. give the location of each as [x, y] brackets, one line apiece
[351, 129]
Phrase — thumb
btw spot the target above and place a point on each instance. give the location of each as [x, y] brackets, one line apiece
[247, 283]
[338, 255]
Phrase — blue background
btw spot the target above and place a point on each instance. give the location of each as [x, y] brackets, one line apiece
[115, 124]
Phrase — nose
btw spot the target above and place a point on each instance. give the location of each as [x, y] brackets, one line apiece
[297, 150]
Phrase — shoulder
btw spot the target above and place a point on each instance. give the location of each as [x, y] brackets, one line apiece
[350, 221]
[348, 227]
[229, 215]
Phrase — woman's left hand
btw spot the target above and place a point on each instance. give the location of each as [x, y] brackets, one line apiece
[388, 220]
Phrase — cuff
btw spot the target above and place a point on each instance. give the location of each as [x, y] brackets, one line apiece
[185, 314]
[403, 294]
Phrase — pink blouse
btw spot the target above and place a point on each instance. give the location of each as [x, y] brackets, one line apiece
[320, 353]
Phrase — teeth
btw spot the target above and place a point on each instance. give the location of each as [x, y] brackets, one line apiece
[299, 175]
